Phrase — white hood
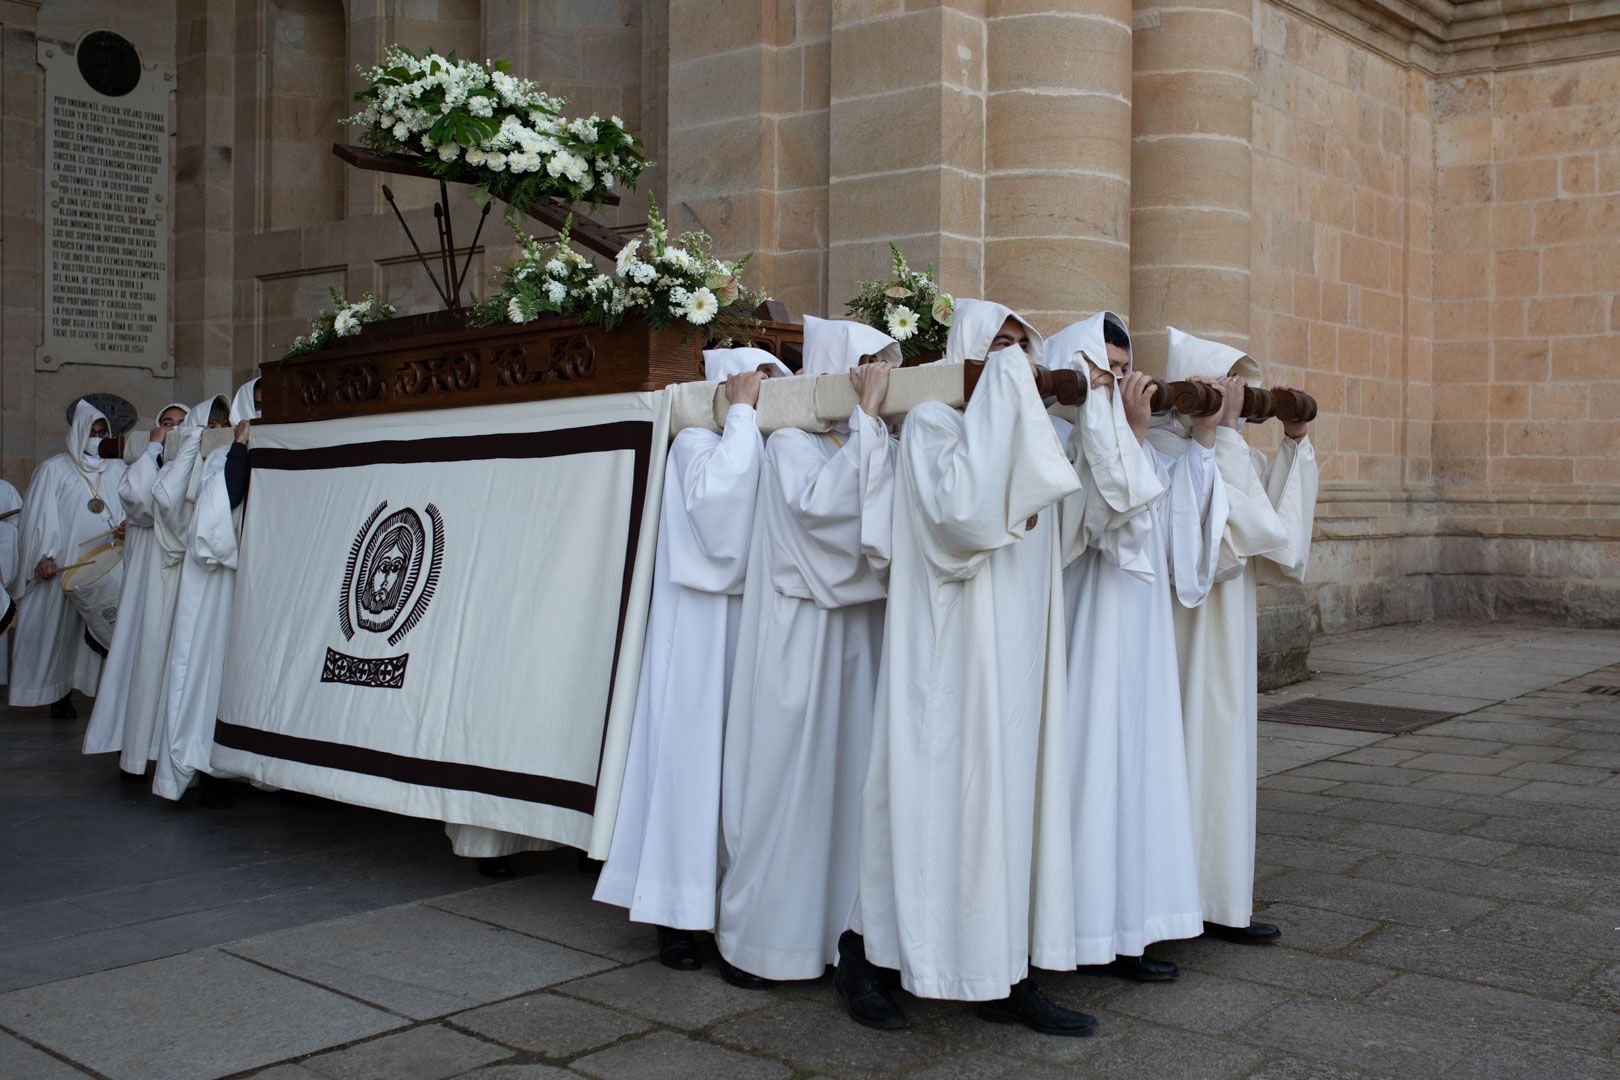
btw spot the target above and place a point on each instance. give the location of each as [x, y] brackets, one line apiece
[1078, 342]
[974, 325]
[85, 416]
[1191, 356]
[836, 345]
[721, 364]
[242, 404]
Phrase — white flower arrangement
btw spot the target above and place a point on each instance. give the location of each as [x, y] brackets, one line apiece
[469, 120]
[667, 281]
[545, 279]
[910, 307]
[677, 280]
[343, 320]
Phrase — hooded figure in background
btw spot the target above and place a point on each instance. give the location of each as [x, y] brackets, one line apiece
[1145, 525]
[1267, 537]
[121, 721]
[664, 863]
[72, 507]
[799, 722]
[971, 684]
[189, 698]
[10, 509]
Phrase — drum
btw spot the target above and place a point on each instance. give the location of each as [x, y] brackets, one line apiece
[92, 586]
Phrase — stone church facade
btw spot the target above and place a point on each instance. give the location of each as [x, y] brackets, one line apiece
[1410, 207]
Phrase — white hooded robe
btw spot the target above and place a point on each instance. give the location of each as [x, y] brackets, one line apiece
[202, 618]
[50, 656]
[9, 556]
[664, 861]
[1268, 535]
[971, 683]
[120, 721]
[1146, 524]
[799, 722]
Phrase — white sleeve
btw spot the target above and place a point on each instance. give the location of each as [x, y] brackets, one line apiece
[135, 489]
[1291, 485]
[213, 536]
[1198, 516]
[826, 507]
[718, 480]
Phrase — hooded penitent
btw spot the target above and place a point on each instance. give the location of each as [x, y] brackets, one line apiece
[974, 325]
[242, 407]
[1119, 482]
[721, 364]
[83, 448]
[832, 346]
[1195, 356]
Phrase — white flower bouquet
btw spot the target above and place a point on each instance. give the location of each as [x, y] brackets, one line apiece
[545, 279]
[472, 121]
[343, 320]
[909, 307]
[677, 281]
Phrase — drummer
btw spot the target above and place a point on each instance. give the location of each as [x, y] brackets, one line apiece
[71, 507]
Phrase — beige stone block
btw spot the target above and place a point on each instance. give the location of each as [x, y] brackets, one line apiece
[1364, 262]
[1464, 140]
[1177, 171]
[845, 12]
[1519, 361]
[1057, 206]
[886, 133]
[1559, 401]
[801, 151]
[1068, 273]
[873, 207]
[799, 280]
[1178, 235]
[737, 222]
[711, 88]
[1533, 90]
[1461, 275]
[801, 220]
[1516, 273]
[1508, 318]
[1464, 184]
[1027, 130]
[1511, 225]
[1567, 439]
[1191, 103]
[1461, 319]
[1530, 470]
[891, 54]
[1326, 201]
[1580, 268]
[1461, 228]
[1582, 359]
[1307, 297]
[700, 28]
[1609, 171]
[1197, 38]
[816, 66]
[961, 266]
[1380, 310]
[1568, 316]
[1061, 52]
[1566, 131]
[1578, 175]
[1517, 181]
[734, 156]
[1206, 302]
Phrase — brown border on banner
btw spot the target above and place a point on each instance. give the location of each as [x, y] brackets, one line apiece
[633, 435]
[568, 794]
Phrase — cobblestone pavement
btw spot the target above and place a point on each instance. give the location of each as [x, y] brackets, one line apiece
[1450, 905]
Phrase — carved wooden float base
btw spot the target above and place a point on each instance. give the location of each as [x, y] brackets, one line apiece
[448, 367]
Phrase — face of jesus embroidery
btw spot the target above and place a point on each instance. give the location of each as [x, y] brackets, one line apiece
[388, 571]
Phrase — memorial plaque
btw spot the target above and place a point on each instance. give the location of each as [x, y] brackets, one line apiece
[107, 207]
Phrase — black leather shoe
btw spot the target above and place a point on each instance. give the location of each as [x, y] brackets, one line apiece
[130, 777]
[212, 794]
[498, 867]
[1256, 933]
[62, 708]
[1142, 969]
[1028, 1006]
[678, 949]
[741, 979]
[860, 986]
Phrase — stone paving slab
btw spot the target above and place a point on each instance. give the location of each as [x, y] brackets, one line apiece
[419, 961]
[429, 1052]
[202, 1014]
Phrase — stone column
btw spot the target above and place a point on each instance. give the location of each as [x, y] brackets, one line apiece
[906, 143]
[1058, 149]
[746, 150]
[1193, 100]
[204, 214]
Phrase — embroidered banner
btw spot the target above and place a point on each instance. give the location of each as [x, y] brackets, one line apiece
[441, 613]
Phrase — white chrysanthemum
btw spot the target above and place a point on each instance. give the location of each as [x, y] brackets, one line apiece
[555, 267]
[345, 324]
[643, 273]
[476, 155]
[679, 297]
[902, 322]
[701, 306]
[556, 292]
[626, 257]
[496, 161]
[677, 257]
[449, 151]
[401, 132]
[480, 107]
